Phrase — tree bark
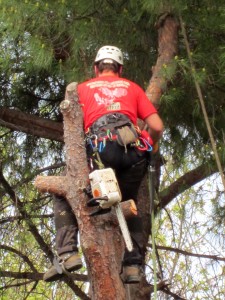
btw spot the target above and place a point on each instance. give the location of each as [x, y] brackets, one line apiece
[185, 182]
[17, 120]
[53, 185]
[168, 27]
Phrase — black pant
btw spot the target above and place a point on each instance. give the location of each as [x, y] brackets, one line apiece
[66, 226]
[130, 167]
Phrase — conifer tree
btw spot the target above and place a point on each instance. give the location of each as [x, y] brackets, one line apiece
[47, 44]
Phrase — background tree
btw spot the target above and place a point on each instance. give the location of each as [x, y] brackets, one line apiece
[44, 46]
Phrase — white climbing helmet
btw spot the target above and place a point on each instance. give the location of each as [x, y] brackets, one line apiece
[109, 52]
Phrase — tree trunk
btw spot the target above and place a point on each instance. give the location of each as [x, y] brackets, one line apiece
[101, 240]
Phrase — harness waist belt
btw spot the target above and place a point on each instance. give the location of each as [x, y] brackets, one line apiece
[114, 120]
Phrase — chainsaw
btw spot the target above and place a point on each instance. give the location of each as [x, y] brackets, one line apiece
[106, 195]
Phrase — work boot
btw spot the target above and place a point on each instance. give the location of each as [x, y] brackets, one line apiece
[132, 274]
[71, 262]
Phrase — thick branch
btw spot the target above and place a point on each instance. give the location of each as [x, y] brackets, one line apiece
[185, 182]
[20, 121]
[76, 289]
[167, 49]
[36, 173]
[39, 276]
[58, 185]
[22, 275]
[51, 184]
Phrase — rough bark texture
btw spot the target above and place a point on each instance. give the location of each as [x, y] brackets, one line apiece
[19, 121]
[53, 185]
[167, 27]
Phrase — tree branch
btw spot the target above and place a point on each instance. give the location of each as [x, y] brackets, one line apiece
[32, 228]
[51, 184]
[22, 275]
[39, 276]
[17, 252]
[75, 288]
[186, 253]
[168, 28]
[175, 296]
[16, 284]
[20, 218]
[31, 124]
[183, 183]
[35, 276]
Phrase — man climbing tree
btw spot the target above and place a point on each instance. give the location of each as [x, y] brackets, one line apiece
[111, 106]
[47, 44]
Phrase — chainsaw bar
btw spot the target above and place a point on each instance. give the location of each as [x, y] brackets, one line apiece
[106, 193]
[123, 227]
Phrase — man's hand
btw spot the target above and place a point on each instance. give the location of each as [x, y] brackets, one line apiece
[155, 125]
[155, 147]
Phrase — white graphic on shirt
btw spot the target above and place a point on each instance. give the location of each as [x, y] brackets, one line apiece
[103, 83]
[107, 96]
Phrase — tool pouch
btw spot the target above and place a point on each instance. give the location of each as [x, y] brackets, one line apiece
[126, 134]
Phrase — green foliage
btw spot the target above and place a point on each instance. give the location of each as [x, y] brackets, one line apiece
[185, 232]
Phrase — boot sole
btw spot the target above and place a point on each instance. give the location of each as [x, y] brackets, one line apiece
[132, 279]
[57, 276]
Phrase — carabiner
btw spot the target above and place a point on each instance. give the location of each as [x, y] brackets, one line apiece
[109, 134]
[94, 139]
[141, 148]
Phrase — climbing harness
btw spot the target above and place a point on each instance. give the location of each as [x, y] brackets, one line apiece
[142, 140]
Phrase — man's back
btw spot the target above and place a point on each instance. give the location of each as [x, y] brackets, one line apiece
[109, 94]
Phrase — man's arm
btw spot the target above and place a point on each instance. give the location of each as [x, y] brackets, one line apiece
[155, 125]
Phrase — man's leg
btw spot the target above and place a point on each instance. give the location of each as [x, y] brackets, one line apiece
[129, 181]
[66, 239]
[66, 226]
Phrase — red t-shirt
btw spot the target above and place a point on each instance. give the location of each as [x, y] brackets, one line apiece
[110, 94]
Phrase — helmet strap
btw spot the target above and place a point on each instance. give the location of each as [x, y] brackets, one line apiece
[96, 70]
[120, 70]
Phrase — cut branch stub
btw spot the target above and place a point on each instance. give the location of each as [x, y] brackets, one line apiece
[51, 184]
[65, 105]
